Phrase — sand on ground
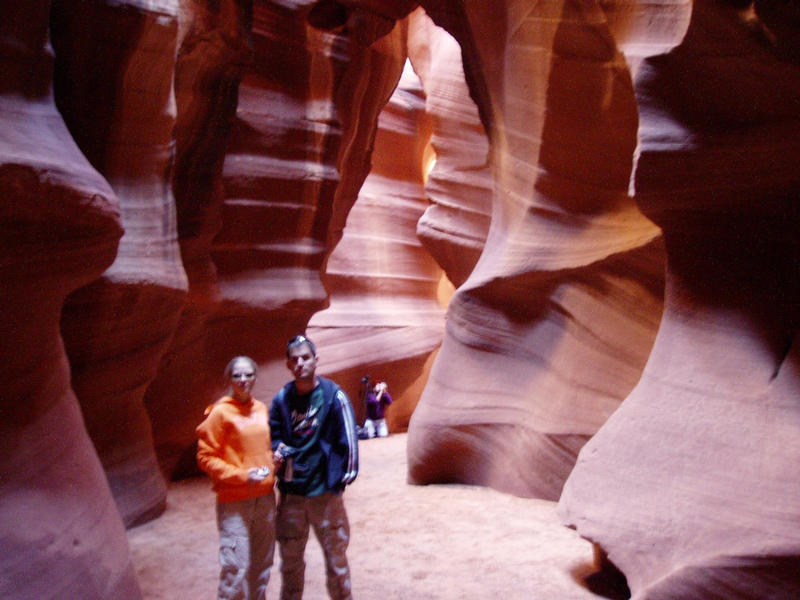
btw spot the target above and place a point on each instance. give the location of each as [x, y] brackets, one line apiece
[435, 542]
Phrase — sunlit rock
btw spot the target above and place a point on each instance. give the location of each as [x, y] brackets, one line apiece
[552, 327]
[690, 488]
[384, 320]
[113, 85]
[459, 184]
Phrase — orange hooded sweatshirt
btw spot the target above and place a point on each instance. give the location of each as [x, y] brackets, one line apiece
[233, 438]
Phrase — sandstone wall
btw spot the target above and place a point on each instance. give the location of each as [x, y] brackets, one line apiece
[459, 184]
[660, 494]
[553, 325]
[384, 319]
[61, 535]
[113, 84]
[689, 488]
[275, 147]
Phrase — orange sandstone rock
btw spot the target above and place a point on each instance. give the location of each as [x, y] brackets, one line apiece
[384, 320]
[552, 327]
[61, 535]
[690, 487]
[113, 84]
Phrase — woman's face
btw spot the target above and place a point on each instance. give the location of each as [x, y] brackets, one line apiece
[242, 379]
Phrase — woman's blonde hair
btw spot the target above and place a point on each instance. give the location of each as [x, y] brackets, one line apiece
[229, 367]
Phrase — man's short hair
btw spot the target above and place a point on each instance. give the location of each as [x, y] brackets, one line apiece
[299, 340]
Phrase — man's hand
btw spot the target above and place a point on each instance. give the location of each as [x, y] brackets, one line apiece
[280, 454]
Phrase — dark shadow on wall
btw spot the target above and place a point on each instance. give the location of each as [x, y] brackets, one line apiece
[602, 577]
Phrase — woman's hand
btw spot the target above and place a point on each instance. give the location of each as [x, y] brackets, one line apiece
[257, 474]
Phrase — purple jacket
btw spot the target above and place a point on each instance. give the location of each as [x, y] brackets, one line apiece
[376, 409]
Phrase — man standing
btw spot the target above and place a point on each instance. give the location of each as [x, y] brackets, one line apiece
[316, 453]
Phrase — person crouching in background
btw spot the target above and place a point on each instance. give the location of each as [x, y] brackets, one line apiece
[377, 402]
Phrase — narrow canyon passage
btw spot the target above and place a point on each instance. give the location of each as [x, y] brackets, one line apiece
[408, 542]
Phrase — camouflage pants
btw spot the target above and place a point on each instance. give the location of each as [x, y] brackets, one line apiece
[246, 547]
[326, 514]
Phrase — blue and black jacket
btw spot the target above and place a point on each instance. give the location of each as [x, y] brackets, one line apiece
[336, 438]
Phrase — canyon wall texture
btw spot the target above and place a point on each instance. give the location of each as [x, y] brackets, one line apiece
[276, 174]
[552, 327]
[61, 534]
[689, 488]
[459, 184]
[213, 49]
[186, 180]
[113, 85]
[384, 319]
[659, 488]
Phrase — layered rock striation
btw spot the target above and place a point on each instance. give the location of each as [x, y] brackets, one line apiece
[214, 49]
[459, 183]
[689, 488]
[113, 84]
[287, 153]
[384, 319]
[553, 325]
[61, 534]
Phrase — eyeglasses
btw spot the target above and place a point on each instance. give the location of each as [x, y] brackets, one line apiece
[249, 375]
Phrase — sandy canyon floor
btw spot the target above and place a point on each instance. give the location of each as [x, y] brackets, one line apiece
[442, 542]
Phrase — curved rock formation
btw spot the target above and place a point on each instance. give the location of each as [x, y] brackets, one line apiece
[113, 84]
[297, 153]
[690, 488]
[384, 320]
[553, 326]
[213, 50]
[459, 185]
[61, 535]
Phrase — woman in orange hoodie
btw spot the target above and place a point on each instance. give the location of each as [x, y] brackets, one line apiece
[235, 449]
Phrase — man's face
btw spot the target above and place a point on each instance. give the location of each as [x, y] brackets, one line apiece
[302, 362]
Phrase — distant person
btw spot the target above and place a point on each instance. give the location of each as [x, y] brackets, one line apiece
[235, 450]
[316, 454]
[377, 402]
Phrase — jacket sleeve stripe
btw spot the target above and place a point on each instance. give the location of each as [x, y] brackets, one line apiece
[352, 437]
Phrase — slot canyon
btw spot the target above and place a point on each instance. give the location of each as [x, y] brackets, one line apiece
[567, 233]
